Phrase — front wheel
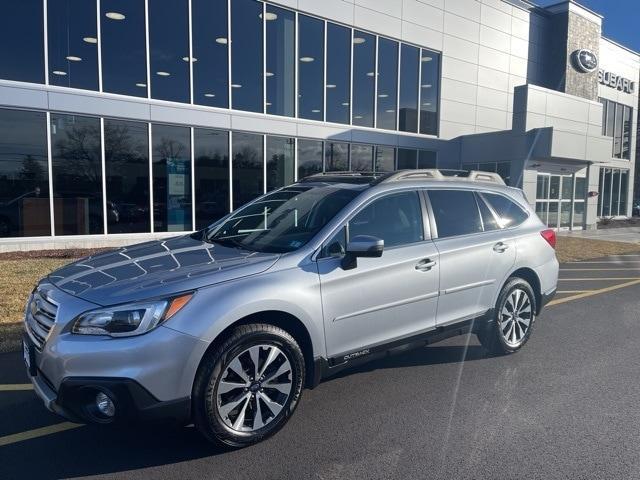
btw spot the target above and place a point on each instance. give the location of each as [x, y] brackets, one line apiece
[248, 387]
[513, 319]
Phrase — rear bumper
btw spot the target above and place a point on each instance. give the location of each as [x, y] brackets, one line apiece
[545, 298]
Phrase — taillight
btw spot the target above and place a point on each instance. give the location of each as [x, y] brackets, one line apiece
[550, 236]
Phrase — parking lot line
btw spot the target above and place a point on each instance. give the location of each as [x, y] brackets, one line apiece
[596, 269]
[575, 291]
[589, 279]
[594, 292]
[16, 387]
[607, 261]
[38, 432]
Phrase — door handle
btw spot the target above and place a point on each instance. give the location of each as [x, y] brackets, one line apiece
[425, 265]
[500, 247]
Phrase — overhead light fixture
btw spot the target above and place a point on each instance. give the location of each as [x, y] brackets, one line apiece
[371, 74]
[358, 40]
[209, 95]
[193, 59]
[391, 110]
[59, 72]
[331, 85]
[90, 39]
[222, 40]
[345, 104]
[269, 16]
[268, 104]
[115, 16]
[426, 104]
[141, 85]
[383, 95]
[358, 117]
[307, 59]
[427, 85]
[268, 74]
[163, 74]
[236, 85]
[73, 58]
[426, 59]
[315, 110]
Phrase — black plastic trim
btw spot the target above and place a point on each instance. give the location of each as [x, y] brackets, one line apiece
[545, 298]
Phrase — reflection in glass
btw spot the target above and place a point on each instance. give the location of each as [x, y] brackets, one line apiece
[430, 65]
[606, 193]
[169, 50]
[310, 68]
[553, 215]
[578, 214]
[338, 86]
[541, 211]
[407, 158]
[211, 149]
[280, 161]
[309, 157]
[210, 44]
[24, 61]
[504, 170]
[611, 115]
[73, 54]
[626, 133]
[384, 159]
[387, 83]
[361, 158]
[77, 175]
[123, 43]
[427, 159]
[171, 178]
[554, 187]
[336, 157]
[364, 78]
[565, 214]
[617, 136]
[409, 65]
[281, 34]
[24, 181]
[624, 191]
[615, 192]
[248, 173]
[126, 156]
[567, 188]
[246, 52]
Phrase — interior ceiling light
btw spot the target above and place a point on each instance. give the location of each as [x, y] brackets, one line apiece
[383, 95]
[358, 116]
[331, 85]
[59, 72]
[358, 40]
[236, 85]
[90, 39]
[73, 58]
[163, 74]
[426, 104]
[370, 74]
[209, 95]
[426, 59]
[141, 85]
[268, 74]
[222, 40]
[307, 59]
[426, 85]
[269, 16]
[390, 111]
[115, 16]
[268, 104]
[345, 104]
[315, 110]
[186, 59]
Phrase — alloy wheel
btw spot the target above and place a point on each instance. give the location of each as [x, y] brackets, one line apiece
[516, 317]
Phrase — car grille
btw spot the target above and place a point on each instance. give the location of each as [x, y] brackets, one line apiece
[40, 317]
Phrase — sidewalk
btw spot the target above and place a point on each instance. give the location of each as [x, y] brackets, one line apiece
[623, 234]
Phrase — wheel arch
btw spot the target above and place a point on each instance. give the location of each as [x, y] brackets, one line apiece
[532, 278]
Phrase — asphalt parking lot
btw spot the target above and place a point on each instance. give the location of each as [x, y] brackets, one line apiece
[566, 406]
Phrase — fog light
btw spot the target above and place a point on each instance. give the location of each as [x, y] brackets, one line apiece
[105, 405]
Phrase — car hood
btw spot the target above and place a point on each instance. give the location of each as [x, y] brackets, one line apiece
[155, 269]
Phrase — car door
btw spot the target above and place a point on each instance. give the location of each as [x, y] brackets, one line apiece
[386, 298]
[475, 253]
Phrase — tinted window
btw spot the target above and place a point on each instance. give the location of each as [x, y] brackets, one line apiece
[171, 178]
[126, 154]
[77, 175]
[397, 219]
[364, 78]
[246, 53]
[24, 61]
[336, 157]
[24, 182]
[430, 72]
[169, 49]
[124, 54]
[281, 34]
[426, 159]
[407, 158]
[455, 212]
[311, 68]
[338, 73]
[73, 49]
[280, 159]
[409, 68]
[211, 149]
[488, 218]
[309, 157]
[248, 170]
[210, 44]
[387, 83]
[385, 159]
[509, 212]
[361, 158]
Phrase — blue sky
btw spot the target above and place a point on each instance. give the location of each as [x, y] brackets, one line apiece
[620, 19]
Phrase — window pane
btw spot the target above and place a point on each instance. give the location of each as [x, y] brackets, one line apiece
[626, 133]
[541, 211]
[565, 214]
[617, 138]
[455, 212]
[169, 39]
[426, 159]
[409, 65]
[309, 157]
[336, 157]
[171, 178]
[553, 215]
[606, 193]
[361, 158]
[615, 192]
[509, 212]
[407, 158]
[73, 54]
[280, 160]
[430, 65]
[396, 219]
[624, 191]
[77, 175]
[338, 73]
[126, 155]
[364, 78]
[211, 150]
[311, 68]
[210, 44]
[504, 170]
[385, 159]
[604, 115]
[387, 83]
[488, 218]
[246, 56]
[581, 188]
[248, 172]
[281, 35]
[567, 188]
[24, 180]
[124, 55]
[24, 61]
[554, 186]
[578, 214]
[611, 115]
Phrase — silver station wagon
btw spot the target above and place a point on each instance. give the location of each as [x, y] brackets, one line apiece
[224, 328]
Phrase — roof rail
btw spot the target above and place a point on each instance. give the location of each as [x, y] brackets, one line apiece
[435, 174]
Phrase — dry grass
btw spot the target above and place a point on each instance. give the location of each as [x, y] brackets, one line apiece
[571, 249]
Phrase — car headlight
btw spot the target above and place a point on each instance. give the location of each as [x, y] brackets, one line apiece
[130, 319]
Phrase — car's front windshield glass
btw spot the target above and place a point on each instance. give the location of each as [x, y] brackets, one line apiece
[285, 220]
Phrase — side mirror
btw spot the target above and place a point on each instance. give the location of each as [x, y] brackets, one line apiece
[362, 246]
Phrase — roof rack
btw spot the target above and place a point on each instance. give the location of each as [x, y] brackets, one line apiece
[342, 176]
[436, 174]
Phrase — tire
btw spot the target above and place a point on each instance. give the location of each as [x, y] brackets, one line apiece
[507, 333]
[234, 407]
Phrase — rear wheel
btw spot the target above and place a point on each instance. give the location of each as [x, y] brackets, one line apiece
[513, 320]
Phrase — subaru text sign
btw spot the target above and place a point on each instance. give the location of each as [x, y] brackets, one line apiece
[615, 81]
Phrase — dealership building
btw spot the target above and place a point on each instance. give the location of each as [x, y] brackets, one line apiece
[125, 120]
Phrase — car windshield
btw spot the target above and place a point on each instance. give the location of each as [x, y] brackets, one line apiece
[283, 221]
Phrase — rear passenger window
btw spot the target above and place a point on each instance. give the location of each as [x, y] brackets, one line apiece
[455, 212]
[510, 213]
[489, 220]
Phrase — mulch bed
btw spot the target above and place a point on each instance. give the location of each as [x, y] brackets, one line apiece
[63, 253]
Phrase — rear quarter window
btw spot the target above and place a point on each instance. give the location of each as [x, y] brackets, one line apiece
[455, 212]
[509, 212]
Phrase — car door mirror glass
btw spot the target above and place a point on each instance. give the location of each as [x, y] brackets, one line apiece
[362, 246]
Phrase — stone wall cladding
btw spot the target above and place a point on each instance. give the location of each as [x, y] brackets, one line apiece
[582, 34]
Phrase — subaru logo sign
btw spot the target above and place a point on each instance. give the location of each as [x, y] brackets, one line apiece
[585, 60]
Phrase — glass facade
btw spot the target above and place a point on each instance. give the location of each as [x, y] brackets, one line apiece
[560, 200]
[24, 61]
[248, 167]
[310, 157]
[364, 78]
[617, 122]
[281, 61]
[338, 86]
[387, 94]
[409, 78]
[280, 158]
[211, 158]
[310, 68]
[614, 192]
[246, 43]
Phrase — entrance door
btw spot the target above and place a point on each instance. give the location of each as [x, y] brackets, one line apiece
[559, 199]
